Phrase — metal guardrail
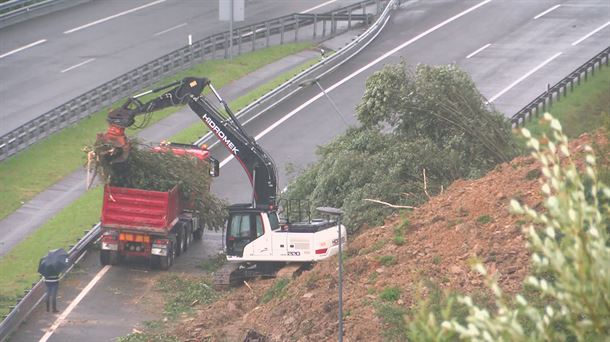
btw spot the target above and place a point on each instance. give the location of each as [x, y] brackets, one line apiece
[14, 11]
[250, 37]
[36, 294]
[540, 103]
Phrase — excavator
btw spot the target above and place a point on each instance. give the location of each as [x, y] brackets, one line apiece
[257, 241]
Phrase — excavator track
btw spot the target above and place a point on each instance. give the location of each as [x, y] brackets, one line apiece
[228, 275]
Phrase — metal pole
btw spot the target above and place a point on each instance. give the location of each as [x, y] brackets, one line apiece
[340, 282]
[332, 103]
[231, 33]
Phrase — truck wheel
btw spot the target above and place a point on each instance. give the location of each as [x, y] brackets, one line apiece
[105, 258]
[186, 237]
[179, 241]
[166, 262]
[198, 234]
[109, 258]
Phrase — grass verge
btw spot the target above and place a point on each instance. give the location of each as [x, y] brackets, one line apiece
[19, 266]
[583, 110]
[29, 172]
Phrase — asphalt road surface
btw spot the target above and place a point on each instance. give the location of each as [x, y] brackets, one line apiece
[532, 43]
[47, 61]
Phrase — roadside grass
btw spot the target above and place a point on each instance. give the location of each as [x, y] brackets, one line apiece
[583, 110]
[19, 266]
[277, 290]
[29, 172]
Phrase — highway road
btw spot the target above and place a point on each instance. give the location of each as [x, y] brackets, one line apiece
[512, 49]
[46, 61]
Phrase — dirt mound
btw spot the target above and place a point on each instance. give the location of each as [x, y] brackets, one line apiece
[397, 262]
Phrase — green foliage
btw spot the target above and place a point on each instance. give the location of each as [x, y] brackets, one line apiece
[570, 258]
[183, 293]
[390, 294]
[214, 263]
[277, 290]
[484, 219]
[393, 318]
[434, 119]
[399, 233]
[387, 260]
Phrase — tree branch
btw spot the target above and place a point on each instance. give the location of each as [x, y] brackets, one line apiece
[390, 204]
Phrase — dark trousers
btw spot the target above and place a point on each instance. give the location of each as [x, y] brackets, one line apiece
[52, 287]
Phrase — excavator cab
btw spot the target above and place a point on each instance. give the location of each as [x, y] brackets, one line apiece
[245, 224]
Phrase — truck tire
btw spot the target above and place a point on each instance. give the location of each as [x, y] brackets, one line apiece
[179, 239]
[109, 258]
[198, 234]
[188, 234]
[165, 262]
[105, 258]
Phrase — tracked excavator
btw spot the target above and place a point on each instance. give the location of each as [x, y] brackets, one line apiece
[257, 241]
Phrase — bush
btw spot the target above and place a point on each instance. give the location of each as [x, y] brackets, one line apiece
[570, 257]
[387, 260]
[390, 294]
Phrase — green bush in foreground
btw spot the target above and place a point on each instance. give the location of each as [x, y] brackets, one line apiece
[570, 257]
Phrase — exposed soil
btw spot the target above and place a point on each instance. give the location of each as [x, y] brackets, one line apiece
[469, 220]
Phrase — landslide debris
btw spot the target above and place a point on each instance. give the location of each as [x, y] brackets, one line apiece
[385, 276]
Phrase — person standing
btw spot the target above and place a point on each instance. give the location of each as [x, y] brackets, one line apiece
[52, 284]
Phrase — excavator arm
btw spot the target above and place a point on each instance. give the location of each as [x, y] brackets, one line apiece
[258, 165]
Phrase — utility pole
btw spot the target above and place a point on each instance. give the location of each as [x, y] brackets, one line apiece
[338, 213]
[231, 11]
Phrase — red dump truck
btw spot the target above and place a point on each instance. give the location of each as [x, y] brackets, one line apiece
[154, 224]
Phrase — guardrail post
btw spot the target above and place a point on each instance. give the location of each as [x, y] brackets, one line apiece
[296, 27]
[324, 28]
[315, 24]
[268, 30]
[281, 31]
[254, 33]
[226, 45]
[349, 20]
[333, 24]
[239, 40]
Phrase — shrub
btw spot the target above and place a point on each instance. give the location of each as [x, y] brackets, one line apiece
[390, 294]
[387, 260]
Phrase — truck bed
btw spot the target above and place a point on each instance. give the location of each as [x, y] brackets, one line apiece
[140, 210]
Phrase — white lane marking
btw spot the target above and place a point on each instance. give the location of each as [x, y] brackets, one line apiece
[169, 29]
[74, 303]
[320, 5]
[78, 65]
[591, 33]
[113, 16]
[547, 11]
[359, 71]
[23, 48]
[479, 50]
[495, 97]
